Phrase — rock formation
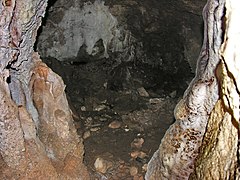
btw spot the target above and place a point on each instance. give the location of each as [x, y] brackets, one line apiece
[37, 139]
[203, 142]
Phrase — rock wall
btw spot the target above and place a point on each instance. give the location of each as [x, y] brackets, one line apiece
[73, 26]
[203, 142]
[152, 32]
[37, 139]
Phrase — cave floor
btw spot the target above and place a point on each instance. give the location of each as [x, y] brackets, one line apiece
[121, 114]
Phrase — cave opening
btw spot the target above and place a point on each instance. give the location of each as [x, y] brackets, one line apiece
[125, 65]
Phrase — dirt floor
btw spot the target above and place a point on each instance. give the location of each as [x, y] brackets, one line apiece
[122, 113]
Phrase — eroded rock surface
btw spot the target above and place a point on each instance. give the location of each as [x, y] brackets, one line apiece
[179, 148]
[38, 140]
[212, 152]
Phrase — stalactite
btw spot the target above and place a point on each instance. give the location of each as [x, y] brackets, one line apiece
[179, 148]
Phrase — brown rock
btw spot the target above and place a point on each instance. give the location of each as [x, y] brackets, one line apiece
[102, 165]
[137, 143]
[115, 125]
[133, 171]
[86, 134]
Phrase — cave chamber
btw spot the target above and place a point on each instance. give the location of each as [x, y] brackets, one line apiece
[89, 89]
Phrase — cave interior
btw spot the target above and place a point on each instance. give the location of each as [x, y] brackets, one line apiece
[125, 65]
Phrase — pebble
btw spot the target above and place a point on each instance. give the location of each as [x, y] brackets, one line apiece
[137, 143]
[102, 119]
[86, 134]
[100, 107]
[173, 94]
[139, 154]
[94, 129]
[115, 124]
[134, 154]
[142, 92]
[142, 154]
[133, 171]
[102, 165]
[144, 167]
[155, 101]
[83, 108]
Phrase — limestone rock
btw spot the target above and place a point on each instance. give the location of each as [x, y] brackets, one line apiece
[38, 139]
[179, 148]
[219, 154]
[81, 25]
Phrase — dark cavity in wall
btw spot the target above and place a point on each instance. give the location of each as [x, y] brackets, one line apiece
[125, 65]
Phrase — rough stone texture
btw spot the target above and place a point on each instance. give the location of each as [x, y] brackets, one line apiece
[219, 154]
[132, 31]
[56, 128]
[73, 26]
[23, 145]
[180, 146]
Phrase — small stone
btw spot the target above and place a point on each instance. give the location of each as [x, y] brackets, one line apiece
[144, 167]
[100, 107]
[138, 154]
[142, 92]
[86, 134]
[105, 85]
[142, 155]
[88, 121]
[137, 143]
[115, 124]
[102, 165]
[94, 129]
[155, 101]
[173, 94]
[102, 119]
[133, 171]
[83, 108]
[134, 154]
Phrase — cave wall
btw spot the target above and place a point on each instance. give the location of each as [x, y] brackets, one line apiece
[159, 33]
[37, 136]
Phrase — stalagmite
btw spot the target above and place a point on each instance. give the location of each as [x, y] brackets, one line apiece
[37, 136]
[203, 142]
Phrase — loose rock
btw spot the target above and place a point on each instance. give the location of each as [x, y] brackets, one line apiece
[115, 125]
[137, 143]
[144, 167]
[94, 129]
[138, 154]
[133, 171]
[102, 165]
[100, 107]
[142, 92]
[86, 134]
